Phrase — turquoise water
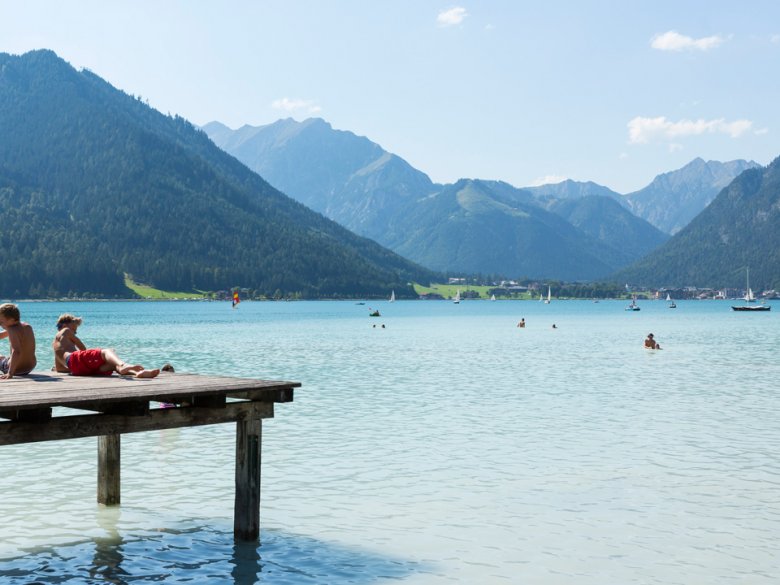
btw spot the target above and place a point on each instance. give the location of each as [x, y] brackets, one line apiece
[449, 446]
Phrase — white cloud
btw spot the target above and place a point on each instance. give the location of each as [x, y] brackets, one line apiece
[296, 105]
[451, 17]
[548, 180]
[675, 146]
[643, 130]
[623, 156]
[674, 41]
[761, 131]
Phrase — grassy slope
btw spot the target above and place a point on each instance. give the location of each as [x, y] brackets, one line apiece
[449, 290]
[147, 292]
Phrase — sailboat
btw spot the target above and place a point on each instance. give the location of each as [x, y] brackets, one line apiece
[749, 298]
[456, 300]
[633, 306]
[492, 297]
[547, 302]
[392, 297]
[669, 300]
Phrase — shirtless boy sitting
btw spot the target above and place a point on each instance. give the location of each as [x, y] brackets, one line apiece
[72, 356]
[22, 340]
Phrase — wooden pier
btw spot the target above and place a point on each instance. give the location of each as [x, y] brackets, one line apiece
[108, 407]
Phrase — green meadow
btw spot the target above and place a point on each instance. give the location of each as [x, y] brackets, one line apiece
[147, 292]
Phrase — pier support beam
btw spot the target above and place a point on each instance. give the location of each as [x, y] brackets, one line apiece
[108, 469]
[246, 513]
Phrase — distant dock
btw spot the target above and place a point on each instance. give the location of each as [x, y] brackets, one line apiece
[117, 405]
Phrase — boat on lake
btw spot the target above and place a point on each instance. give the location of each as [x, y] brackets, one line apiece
[750, 298]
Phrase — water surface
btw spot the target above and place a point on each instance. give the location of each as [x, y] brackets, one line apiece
[448, 446]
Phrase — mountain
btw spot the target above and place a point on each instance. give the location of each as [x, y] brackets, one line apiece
[346, 177]
[552, 193]
[95, 184]
[739, 229]
[379, 195]
[471, 226]
[673, 199]
[606, 220]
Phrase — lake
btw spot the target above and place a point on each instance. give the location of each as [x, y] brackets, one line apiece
[447, 446]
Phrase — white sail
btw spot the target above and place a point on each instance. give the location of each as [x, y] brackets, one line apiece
[456, 300]
[392, 297]
[547, 302]
[749, 291]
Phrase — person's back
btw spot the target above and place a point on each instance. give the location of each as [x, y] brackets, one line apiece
[21, 337]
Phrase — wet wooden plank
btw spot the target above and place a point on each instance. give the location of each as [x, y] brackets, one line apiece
[128, 408]
[92, 425]
[27, 415]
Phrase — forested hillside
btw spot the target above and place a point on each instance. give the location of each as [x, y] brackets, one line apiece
[471, 225]
[740, 229]
[673, 199]
[95, 184]
[606, 220]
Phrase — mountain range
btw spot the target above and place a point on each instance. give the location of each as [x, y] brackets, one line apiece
[469, 226]
[673, 199]
[95, 184]
[737, 231]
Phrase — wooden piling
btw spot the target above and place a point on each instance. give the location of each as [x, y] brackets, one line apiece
[108, 492]
[246, 512]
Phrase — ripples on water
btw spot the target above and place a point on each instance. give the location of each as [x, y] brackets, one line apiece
[449, 447]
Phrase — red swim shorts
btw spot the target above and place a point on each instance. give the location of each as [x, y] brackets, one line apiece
[87, 363]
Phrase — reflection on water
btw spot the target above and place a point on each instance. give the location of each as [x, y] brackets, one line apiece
[201, 554]
[107, 561]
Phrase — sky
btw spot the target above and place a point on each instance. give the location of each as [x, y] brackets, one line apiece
[527, 92]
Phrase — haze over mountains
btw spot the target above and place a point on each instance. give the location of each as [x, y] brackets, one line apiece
[95, 184]
[473, 225]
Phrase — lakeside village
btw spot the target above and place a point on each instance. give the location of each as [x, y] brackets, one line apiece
[510, 289]
[464, 288]
[476, 289]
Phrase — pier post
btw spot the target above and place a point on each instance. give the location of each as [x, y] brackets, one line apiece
[108, 469]
[246, 513]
